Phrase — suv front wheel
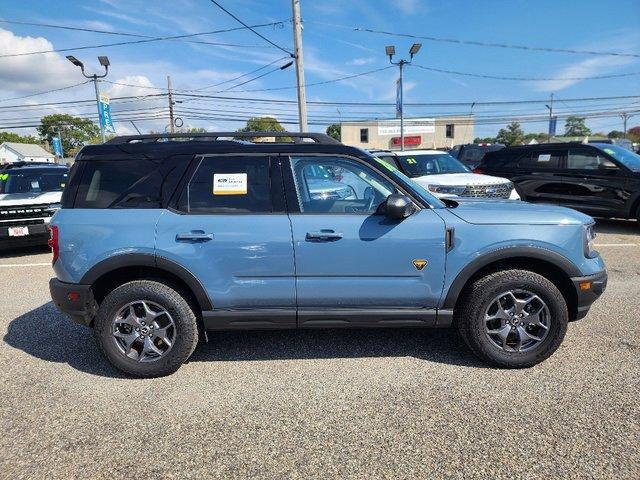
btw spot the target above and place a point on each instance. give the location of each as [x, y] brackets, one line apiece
[512, 318]
[146, 329]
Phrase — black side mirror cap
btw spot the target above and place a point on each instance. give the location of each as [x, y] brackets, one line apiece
[398, 206]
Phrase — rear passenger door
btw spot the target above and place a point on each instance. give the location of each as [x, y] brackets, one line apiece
[593, 182]
[539, 175]
[228, 226]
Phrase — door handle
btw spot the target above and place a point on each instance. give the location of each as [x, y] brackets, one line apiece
[323, 236]
[194, 236]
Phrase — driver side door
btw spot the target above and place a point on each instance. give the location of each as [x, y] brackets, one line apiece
[355, 267]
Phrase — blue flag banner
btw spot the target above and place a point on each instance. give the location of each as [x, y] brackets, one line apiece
[56, 143]
[553, 121]
[105, 114]
[398, 100]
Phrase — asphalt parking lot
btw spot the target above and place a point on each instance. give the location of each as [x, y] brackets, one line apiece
[330, 404]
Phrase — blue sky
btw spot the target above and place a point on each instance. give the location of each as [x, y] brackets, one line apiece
[332, 49]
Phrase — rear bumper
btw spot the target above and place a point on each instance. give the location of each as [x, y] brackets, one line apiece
[74, 300]
[596, 284]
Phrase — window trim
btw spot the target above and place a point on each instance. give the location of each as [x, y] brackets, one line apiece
[278, 209]
[291, 189]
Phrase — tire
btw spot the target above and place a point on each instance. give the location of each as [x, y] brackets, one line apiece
[478, 302]
[175, 329]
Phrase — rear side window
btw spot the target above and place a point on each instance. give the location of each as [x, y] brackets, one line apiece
[542, 159]
[229, 185]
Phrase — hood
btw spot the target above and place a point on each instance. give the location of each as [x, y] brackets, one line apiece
[29, 198]
[459, 179]
[507, 212]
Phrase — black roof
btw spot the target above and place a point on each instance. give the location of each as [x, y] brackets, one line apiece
[547, 145]
[165, 145]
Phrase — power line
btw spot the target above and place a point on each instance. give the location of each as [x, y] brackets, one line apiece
[45, 92]
[239, 76]
[133, 42]
[251, 28]
[525, 79]
[325, 82]
[497, 45]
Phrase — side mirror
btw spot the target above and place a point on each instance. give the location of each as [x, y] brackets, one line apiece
[398, 207]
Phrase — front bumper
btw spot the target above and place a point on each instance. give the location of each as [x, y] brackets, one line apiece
[588, 290]
[74, 300]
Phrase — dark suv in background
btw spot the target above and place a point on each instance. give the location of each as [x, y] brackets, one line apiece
[471, 154]
[600, 179]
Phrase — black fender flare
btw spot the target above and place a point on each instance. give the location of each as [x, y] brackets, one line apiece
[149, 260]
[523, 252]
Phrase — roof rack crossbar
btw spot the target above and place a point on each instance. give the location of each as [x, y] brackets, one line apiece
[216, 136]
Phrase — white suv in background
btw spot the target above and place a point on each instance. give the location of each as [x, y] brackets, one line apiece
[444, 176]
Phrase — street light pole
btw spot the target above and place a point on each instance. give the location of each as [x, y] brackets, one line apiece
[550, 107]
[104, 61]
[391, 51]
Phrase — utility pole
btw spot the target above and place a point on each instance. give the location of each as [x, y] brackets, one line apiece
[625, 116]
[391, 51]
[550, 107]
[170, 104]
[297, 47]
[104, 61]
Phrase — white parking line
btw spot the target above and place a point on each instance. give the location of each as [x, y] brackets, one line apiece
[8, 265]
[617, 245]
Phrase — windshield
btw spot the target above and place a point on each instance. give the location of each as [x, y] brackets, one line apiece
[403, 179]
[626, 157]
[431, 164]
[32, 181]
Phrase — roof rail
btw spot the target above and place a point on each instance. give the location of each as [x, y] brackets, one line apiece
[217, 136]
[23, 163]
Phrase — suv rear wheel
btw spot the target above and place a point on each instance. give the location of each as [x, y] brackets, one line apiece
[146, 329]
[512, 318]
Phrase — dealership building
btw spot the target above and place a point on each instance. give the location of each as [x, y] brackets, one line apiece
[429, 133]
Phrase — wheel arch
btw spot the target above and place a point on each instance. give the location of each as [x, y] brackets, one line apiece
[549, 264]
[114, 271]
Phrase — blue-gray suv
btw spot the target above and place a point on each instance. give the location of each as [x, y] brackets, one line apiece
[162, 238]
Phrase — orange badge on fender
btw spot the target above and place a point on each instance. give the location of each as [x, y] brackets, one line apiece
[420, 264]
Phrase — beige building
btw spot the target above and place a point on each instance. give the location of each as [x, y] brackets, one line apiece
[430, 133]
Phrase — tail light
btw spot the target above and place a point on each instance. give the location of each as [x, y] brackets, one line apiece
[478, 170]
[54, 242]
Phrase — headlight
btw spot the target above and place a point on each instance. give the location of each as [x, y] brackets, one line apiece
[589, 235]
[447, 189]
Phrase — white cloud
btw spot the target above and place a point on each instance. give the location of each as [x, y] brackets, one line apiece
[32, 73]
[362, 61]
[586, 68]
[409, 7]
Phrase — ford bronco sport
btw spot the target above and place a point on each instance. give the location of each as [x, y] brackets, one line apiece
[161, 238]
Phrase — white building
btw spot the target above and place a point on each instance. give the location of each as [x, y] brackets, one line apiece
[11, 152]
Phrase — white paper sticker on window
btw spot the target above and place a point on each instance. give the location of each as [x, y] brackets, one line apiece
[229, 183]
[544, 157]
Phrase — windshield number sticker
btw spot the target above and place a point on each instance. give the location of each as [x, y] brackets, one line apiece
[229, 183]
[544, 157]
[411, 161]
[4, 176]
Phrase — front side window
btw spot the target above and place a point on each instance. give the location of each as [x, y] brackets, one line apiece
[338, 185]
[229, 185]
[431, 164]
[587, 159]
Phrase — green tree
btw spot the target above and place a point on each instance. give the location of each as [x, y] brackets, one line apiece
[75, 131]
[15, 138]
[484, 140]
[512, 135]
[576, 127]
[263, 124]
[333, 131]
[615, 134]
[538, 137]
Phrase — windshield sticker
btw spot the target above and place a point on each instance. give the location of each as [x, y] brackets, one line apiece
[4, 176]
[411, 161]
[544, 157]
[35, 185]
[229, 183]
[609, 151]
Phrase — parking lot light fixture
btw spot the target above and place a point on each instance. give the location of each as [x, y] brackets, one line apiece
[414, 49]
[390, 50]
[104, 61]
